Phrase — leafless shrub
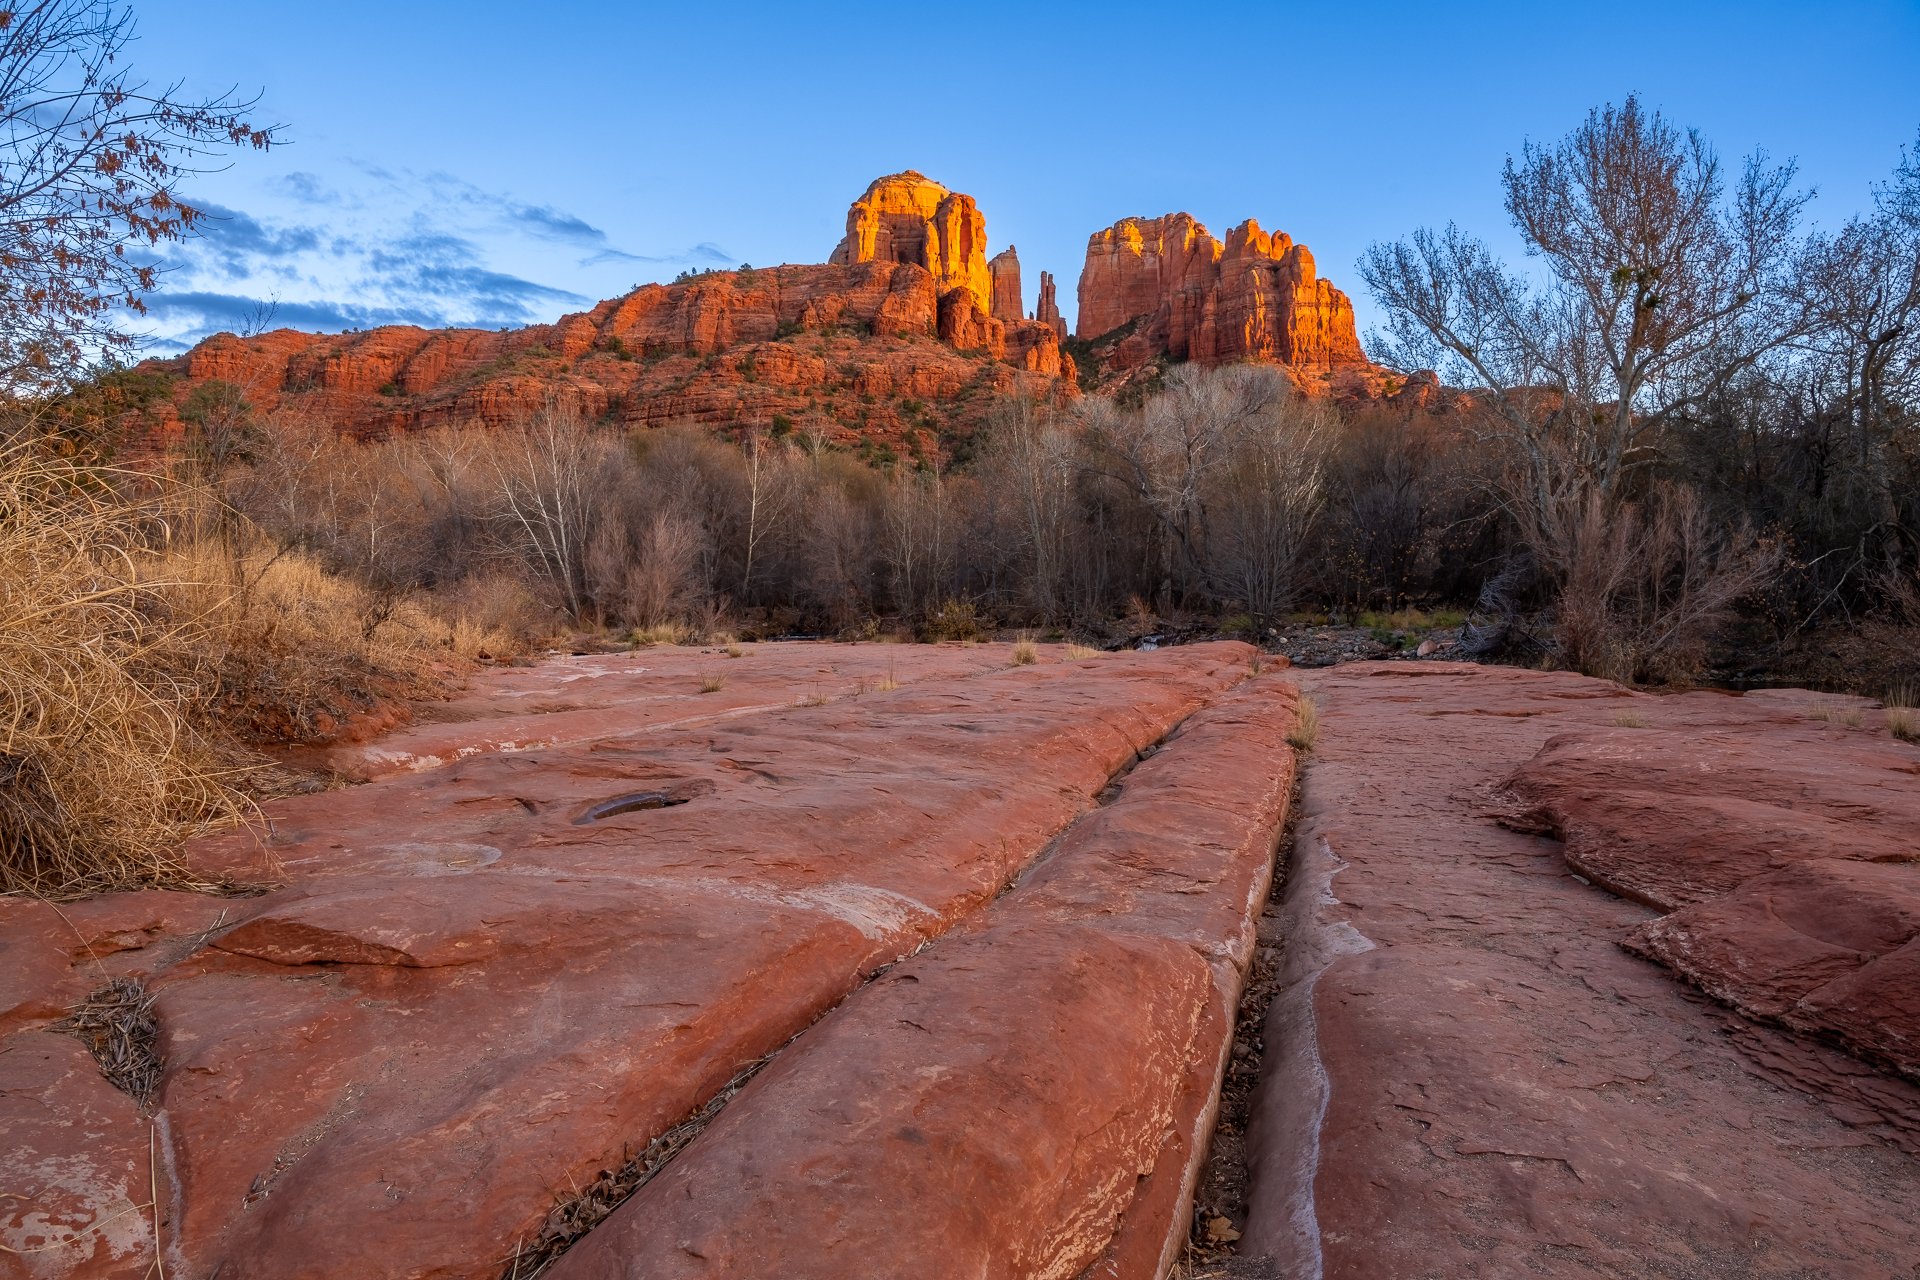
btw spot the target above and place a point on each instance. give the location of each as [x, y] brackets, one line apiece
[1644, 585]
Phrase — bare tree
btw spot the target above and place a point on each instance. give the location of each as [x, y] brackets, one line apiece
[916, 538]
[769, 496]
[1231, 435]
[551, 492]
[1034, 459]
[1861, 290]
[91, 164]
[1660, 286]
[1263, 505]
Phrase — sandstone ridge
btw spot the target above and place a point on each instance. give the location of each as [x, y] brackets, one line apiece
[1180, 294]
[889, 345]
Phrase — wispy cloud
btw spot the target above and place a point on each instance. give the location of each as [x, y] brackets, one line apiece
[366, 245]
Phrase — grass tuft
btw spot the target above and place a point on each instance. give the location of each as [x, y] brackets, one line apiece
[1903, 713]
[659, 633]
[713, 682]
[1306, 724]
[1025, 652]
[1081, 652]
[1848, 717]
[102, 769]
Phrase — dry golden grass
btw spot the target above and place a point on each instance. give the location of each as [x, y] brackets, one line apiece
[102, 769]
[1847, 717]
[1079, 652]
[891, 681]
[1630, 720]
[1902, 717]
[1025, 652]
[1306, 724]
[149, 636]
[712, 683]
[660, 633]
[286, 652]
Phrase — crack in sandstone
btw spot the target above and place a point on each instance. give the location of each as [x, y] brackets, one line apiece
[573, 1217]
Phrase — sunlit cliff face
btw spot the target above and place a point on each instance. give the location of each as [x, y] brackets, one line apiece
[909, 218]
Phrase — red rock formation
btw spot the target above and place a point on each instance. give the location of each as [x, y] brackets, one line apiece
[909, 309]
[1462, 1058]
[1004, 268]
[908, 217]
[1785, 855]
[1189, 297]
[803, 342]
[968, 327]
[1048, 312]
[467, 994]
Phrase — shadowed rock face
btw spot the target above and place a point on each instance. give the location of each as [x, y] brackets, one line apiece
[1189, 297]
[1479, 1063]
[486, 976]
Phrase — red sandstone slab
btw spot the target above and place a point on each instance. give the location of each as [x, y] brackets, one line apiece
[571, 700]
[1468, 1076]
[467, 998]
[1825, 946]
[1029, 1099]
[1673, 818]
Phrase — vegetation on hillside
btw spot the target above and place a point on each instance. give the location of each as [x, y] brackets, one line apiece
[1693, 435]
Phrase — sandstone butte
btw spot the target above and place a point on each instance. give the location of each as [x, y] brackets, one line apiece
[893, 342]
[902, 339]
[1165, 287]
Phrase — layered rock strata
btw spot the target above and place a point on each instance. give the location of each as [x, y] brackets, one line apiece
[1093, 1003]
[1004, 267]
[1470, 1060]
[507, 962]
[910, 218]
[1184, 295]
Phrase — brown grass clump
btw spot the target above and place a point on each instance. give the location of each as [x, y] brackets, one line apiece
[660, 633]
[1306, 724]
[1080, 652]
[102, 771]
[117, 1025]
[1847, 717]
[1902, 718]
[288, 652]
[1025, 653]
[713, 683]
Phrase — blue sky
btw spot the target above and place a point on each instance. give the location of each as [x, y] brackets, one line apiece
[499, 164]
